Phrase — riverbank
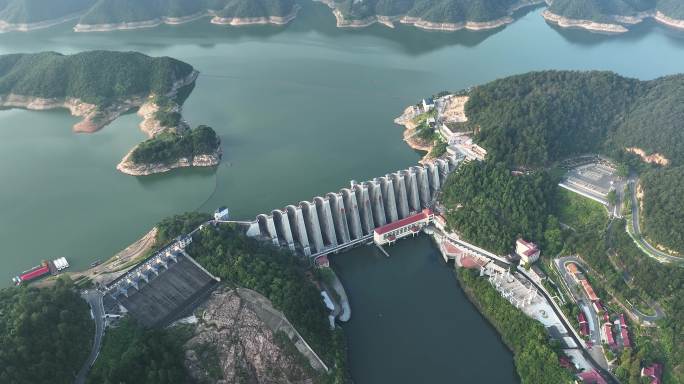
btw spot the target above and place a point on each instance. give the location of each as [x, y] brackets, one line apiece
[115, 266]
[28, 27]
[215, 19]
[389, 21]
[528, 340]
[616, 26]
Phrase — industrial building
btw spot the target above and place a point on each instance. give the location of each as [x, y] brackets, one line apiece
[409, 226]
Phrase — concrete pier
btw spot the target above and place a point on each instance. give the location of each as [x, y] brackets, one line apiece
[326, 220]
[353, 217]
[283, 230]
[400, 194]
[365, 210]
[387, 188]
[339, 217]
[313, 226]
[295, 216]
[348, 217]
[377, 204]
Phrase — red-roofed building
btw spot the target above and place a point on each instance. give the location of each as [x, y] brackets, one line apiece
[608, 335]
[624, 332]
[591, 377]
[589, 290]
[584, 326]
[528, 252]
[410, 225]
[655, 372]
[322, 261]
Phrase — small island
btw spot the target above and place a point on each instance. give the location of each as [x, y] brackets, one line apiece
[99, 86]
[173, 148]
[108, 15]
[613, 16]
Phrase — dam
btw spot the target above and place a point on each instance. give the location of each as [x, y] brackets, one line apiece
[348, 217]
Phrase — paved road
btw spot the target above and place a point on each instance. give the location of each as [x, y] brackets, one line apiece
[94, 299]
[651, 251]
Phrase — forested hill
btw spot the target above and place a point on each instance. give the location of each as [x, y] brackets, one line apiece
[539, 117]
[663, 207]
[45, 334]
[35, 11]
[606, 10]
[438, 11]
[96, 77]
[126, 11]
[120, 11]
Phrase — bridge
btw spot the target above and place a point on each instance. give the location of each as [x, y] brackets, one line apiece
[342, 219]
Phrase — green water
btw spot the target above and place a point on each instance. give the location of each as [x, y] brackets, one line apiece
[301, 110]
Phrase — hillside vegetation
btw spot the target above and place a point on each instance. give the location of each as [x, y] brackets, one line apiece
[34, 11]
[121, 11]
[439, 11]
[169, 146]
[663, 209]
[45, 334]
[606, 10]
[491, 207]
[540, 117]
[96, 77]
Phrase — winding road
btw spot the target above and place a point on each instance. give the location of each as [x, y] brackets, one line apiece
[94, 299]
[638, 236]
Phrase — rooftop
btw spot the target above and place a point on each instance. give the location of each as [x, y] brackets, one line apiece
[423, 215]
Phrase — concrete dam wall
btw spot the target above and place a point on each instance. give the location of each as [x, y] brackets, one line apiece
[344, 218]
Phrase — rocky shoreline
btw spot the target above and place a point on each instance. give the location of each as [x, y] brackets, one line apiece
[215, 19]
[128, 167]
[28, 27]
[617, 24]
[240, 21]
[389, 21]
[406, 120]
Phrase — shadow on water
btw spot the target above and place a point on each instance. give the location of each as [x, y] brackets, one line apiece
[313, 17]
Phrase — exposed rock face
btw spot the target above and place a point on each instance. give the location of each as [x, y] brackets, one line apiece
[128, 167]
[231, 344]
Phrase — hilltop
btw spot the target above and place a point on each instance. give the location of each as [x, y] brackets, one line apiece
[614, 16]
[99, 86]
[440, 14]
[104, 15]
[552, 115]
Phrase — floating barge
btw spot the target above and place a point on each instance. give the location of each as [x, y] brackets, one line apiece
[53, 267]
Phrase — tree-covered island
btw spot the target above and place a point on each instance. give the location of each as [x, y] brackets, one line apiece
[99, 86]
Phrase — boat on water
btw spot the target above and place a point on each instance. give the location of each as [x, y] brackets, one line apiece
[45, 268]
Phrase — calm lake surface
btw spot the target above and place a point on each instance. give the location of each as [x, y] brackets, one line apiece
[301, 110]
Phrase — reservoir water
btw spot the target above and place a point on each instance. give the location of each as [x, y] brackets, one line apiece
[301, 110]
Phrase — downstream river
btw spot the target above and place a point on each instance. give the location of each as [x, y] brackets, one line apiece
[301, 110]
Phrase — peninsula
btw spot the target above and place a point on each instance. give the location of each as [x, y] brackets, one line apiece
[613, 16]
[99, 86]
[108, 15]
[444, 15]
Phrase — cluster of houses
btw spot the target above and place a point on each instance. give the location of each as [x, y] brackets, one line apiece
[608, 328]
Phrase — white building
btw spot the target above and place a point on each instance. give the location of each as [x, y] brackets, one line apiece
[222, 214]
[184, 241]
[388, 234]
[528, 251]
[428, 104]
